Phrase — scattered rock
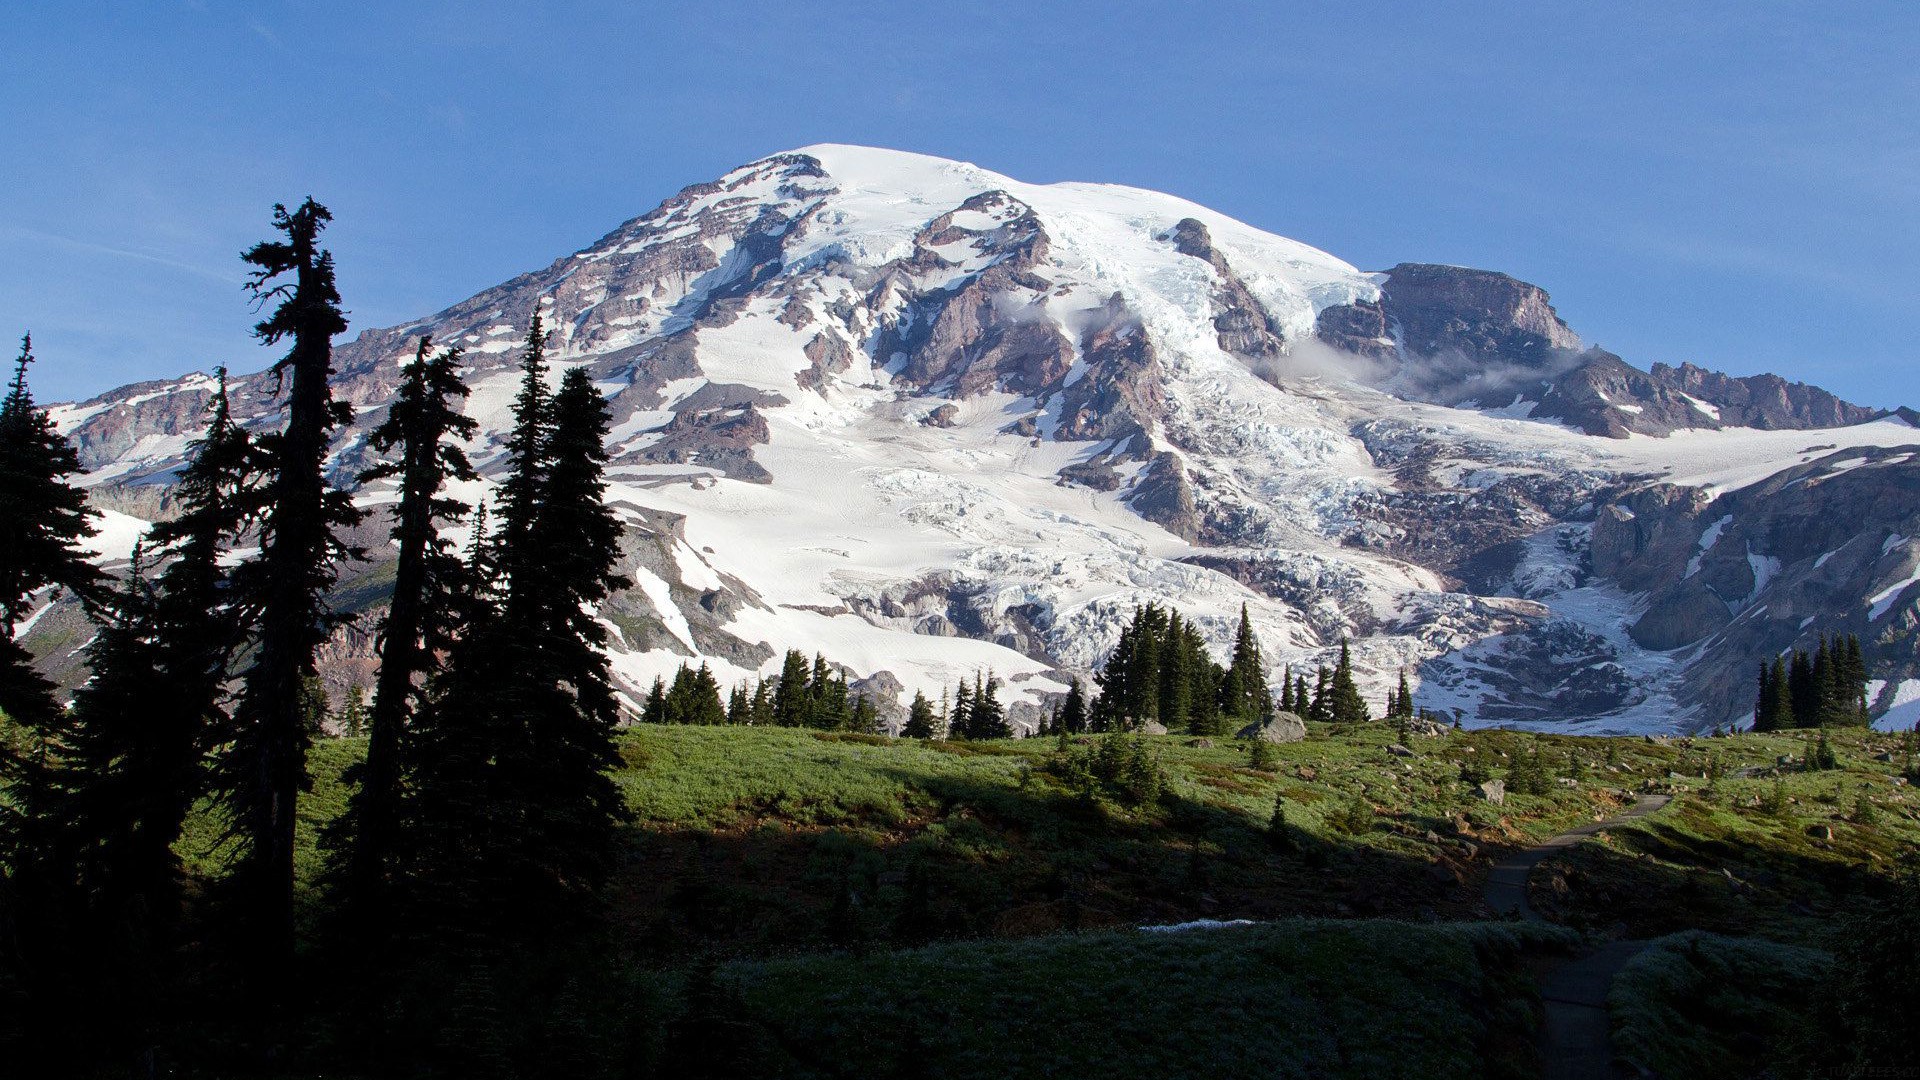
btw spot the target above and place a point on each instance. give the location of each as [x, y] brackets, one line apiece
[1200, 744]
[1307, 773]
[1398, 751]
[1495, 792]
[1283, 728]
[943, 416]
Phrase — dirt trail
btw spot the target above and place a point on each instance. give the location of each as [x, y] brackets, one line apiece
[1575, 1040]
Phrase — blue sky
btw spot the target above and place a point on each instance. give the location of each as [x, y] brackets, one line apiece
[1732, 184]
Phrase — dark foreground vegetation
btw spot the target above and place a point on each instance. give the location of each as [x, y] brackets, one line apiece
[492, 877]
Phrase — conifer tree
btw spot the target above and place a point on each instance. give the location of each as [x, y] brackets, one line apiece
[866, 718]
[1244, 697]
[960, 721]
[512, 814]
[265, 769]
[1322, 706]
[760, 705]
[694, 698]
[739, 705]
[422, 424]
[1073, 712]
[1287, 703]
[575, 805]
[1403, 698]
[792, 704]
[128, 769]
[1345, 705]
[43, 518]
[920, 718]
[1302, 702]
[1767, 699]
[654, 711]
[986, 718]
[1802, 691]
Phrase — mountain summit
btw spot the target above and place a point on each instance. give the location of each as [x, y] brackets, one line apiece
[927, 419]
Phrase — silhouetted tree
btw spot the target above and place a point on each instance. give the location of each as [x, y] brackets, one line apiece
[423, 424]
[265, 768]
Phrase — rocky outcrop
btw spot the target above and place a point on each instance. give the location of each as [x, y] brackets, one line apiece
[1479, 315]
[1285, 727]
[1244, 326]
[1763, 401]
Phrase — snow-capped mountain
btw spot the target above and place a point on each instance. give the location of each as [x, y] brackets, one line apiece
[928, 419]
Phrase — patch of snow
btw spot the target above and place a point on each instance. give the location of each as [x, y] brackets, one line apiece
[1881, 602]
[1902, 708]
[1707, 539]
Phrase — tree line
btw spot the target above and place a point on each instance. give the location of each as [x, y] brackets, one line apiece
[481, 823]
[1824, 688]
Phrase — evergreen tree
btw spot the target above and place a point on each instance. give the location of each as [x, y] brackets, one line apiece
[986, 718]
[575, 806]
[1322, 706]
[1176, 675]
[694, 698]
[1244, 697]
[760, 706]
[512, 814]
[792, 704]
[739, 705]
[1287, 703]
[265, 768]
[1767, 699]
[43, 518]
[866, 718]
[1073, 713]
[1301, 699]
[960, 722]
[1403, 698]
[920, 718]
[1345, 705]
[654, 711]
[528, 451]
[1802, 691]
[128, 768]
[423, 424]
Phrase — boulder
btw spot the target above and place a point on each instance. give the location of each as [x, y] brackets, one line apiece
[1494, 791]
[1398, 751]
[1820, 832]
[1283, 728]
[1152, 727]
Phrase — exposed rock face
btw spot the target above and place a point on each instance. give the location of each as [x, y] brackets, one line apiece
[1763, 401]
[1244, 327]
[933, 421]
[1475, 337]
[1479, 314]
[1826, 547]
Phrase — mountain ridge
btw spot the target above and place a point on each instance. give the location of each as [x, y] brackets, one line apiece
[979, 374]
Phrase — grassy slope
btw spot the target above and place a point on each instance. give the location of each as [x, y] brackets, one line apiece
[874, 901]
[1297, 998]
[1740, 855]
[1706, 1006]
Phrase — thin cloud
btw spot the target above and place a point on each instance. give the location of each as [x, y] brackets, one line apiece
[123, 253]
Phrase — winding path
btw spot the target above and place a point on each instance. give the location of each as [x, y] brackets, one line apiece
[1576, 1040]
